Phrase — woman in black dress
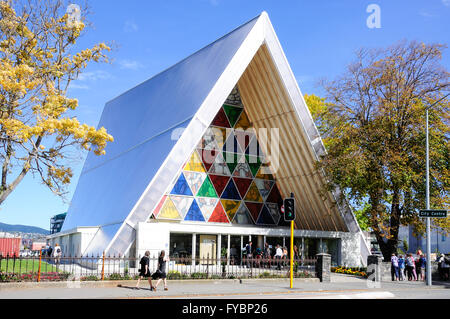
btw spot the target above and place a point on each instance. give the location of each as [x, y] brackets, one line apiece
[145, 271]
[160, 273]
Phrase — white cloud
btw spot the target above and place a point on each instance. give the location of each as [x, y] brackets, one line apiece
[130, 26]
[76, 86]
[94, 76]
[130, 65]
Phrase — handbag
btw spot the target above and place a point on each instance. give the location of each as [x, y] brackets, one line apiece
[157, 274]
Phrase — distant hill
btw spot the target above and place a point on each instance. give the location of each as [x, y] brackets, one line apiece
[23, 229]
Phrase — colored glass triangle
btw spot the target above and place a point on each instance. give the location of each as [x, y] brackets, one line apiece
[220, 135]
[232, 145]
[169, 211]
[160, 204]
[208, 140]
[219, 182]
[274, 211]
[195, 163]
[218, 215]
[194, 213]
[182, 204]
[264, 172]
[232, 113]
[254, 209]
[242, 216]
[243, 169]
[231, 159]
[254, 162]
[243, 123]
[264, 187]
[221, 119]
[219, 167]
[253, 194]
[194, 180]
[242, 184]
[230, 207]
[275, 196]
[181, 187]
[207, 205]
[265, 218]
[208, 157]
[231, 191]
[207, 189]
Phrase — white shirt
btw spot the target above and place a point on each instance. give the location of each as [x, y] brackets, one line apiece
[279, 252]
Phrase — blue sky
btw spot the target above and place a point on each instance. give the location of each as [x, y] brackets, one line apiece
[319, 39]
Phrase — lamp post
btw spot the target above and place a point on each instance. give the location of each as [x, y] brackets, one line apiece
[428, 273]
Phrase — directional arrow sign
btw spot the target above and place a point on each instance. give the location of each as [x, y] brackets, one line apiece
[434, 213]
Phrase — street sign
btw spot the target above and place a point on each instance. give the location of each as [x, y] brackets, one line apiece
[433, 213]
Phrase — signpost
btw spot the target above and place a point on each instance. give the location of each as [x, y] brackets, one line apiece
[288, 210]
[433, 213]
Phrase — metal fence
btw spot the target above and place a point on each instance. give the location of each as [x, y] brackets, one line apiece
[91, 268]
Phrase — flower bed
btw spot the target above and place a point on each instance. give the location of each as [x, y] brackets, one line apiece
[350, 271]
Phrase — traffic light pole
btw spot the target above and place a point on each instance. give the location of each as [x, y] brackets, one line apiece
[292, 254]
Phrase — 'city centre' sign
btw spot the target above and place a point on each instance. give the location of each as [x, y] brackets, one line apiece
[439, 213]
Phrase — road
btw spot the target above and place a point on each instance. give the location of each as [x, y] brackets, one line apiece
[340, 288]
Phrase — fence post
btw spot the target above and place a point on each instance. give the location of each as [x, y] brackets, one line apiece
[39, 268]
[103, 267]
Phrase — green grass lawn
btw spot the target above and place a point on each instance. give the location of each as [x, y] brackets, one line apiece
[25, 266]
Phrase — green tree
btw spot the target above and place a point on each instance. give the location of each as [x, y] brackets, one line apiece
[37, 64]
[373, 124]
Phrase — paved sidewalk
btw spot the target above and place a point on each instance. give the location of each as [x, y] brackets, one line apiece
[231, 289]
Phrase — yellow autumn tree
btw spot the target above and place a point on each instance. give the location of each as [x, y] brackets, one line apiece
[37, 65]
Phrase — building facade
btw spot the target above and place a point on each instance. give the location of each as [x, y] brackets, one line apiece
[203, 155]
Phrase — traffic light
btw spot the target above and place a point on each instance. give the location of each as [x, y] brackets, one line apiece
[289, 209]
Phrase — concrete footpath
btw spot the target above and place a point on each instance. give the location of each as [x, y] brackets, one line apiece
[340, 287]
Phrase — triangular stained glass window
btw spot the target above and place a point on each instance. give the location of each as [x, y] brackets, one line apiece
[264, 187]
[219, 182]
[160, 204]
[208, 157]
[253, 194]
[275, 196]
[181, 187]
[243, 123]
[169, 211]
[219, 167]
[265, 218]
[194, 180]
[231, 192]
[242, 216]
[242, 169]
[221, 119]
[231, 159]
[242, 185]
[232, 113]
[254, 209]
[254, 162]
[264, 172]
[207, 205]
[254, 148]
[208, 141]
[230, 207]
[207, 189]
[182, 204]
[220, 135]
[274, 211]
[194, 213]
[195, 163]
[218, 215]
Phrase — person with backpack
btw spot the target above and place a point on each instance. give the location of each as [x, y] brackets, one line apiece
[422, 266]
[409, 266]
[144, 271]
[57, 253]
